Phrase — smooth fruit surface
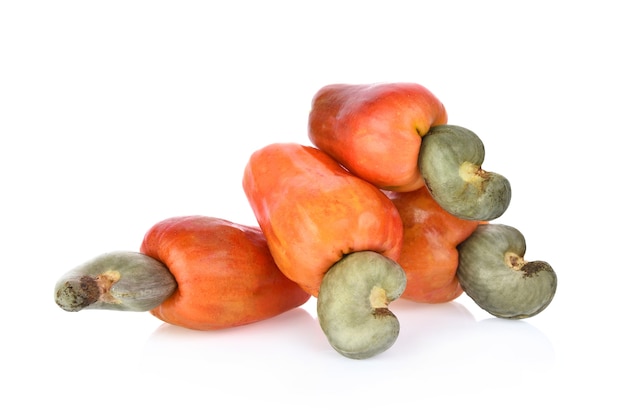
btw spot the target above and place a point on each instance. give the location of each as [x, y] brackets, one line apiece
[225, 273]
[429, 255]
[375, 130]
[313, 211]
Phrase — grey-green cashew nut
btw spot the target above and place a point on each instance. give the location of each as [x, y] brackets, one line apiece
[120, 280]
[493, 272]
[352, 304]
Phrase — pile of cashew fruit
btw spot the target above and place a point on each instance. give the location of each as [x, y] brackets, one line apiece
[388, 202]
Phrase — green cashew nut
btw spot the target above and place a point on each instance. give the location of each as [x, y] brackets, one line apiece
[120, 280]
[450, 161]
[352, 304]
[492, 271]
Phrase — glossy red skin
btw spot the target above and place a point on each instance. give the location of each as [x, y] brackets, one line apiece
[375, 130]
[313, 211]
[429, 256]
[225, 273]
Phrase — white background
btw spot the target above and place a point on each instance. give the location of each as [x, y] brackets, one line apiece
[117, 114]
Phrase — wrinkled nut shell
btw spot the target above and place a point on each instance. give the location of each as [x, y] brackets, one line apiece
[450, 161]
[352, 304]
[492, 271]
[118, 280]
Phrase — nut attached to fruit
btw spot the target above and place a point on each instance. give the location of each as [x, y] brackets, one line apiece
[352, 304]
[120, 280]
[492, 271]
[450, 162]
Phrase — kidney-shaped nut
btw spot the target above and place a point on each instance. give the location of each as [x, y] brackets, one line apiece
[450, 162]
[119, 280]
[352, 305]
[493, 272]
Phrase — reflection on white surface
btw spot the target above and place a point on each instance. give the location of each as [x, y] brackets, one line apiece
[189, 352]
[449, 334]
[288, 357]
[431, 336]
